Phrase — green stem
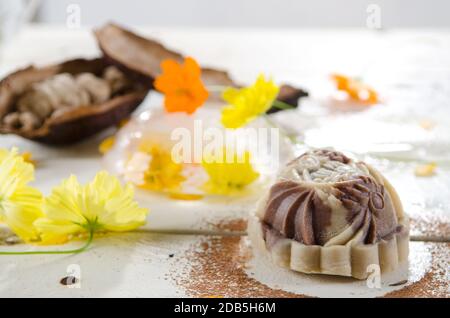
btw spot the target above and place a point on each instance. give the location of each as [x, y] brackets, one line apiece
[282, 105]
[75, 251]
[292, 139]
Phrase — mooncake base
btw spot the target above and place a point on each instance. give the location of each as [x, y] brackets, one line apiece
[358, 261]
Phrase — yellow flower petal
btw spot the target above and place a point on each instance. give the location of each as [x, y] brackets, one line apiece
[229, 177]
[102, 204]
[248, 103]
[56, 231]
[106, 145]
[64, 204]
[26, 204]
[163, 174]
[123, 214]
[28, 158]
[20, 205]
[426, 170]
[14, 173]
[230, 94]
[120, 211]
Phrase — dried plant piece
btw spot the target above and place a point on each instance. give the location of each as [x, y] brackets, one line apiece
[426, 170]
[142, 57]
[66, 89]
[289, 95]
[29, 121]
[37, 102]
[329, 214]
[98, 89]
[116, 79]
[214, 77]
[65, 103]
[25, 121]
[138, 55]
[62, 111]
[62, 92]
[12, 120]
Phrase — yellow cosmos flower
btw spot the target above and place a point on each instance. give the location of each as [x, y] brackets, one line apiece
[228, 176]
[20, 204]
[248, 103]
[103, 204]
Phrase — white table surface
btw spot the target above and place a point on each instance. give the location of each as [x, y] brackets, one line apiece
[411, 69]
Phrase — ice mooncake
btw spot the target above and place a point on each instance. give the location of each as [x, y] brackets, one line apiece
[329, 214]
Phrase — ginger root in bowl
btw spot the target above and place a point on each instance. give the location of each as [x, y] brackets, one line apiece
[329, 214]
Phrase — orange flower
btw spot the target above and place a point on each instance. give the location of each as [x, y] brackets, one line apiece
[182, 86]
[355, 89]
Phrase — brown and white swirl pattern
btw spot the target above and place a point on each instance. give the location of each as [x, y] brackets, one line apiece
[329, 214]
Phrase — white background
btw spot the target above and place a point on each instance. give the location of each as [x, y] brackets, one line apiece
[252, 13]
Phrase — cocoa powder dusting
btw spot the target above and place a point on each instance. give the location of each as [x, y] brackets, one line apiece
[234, 225]
[430, 226]
[217, 269]
[435, 283]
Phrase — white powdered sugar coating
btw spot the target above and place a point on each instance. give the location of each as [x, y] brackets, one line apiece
[318, 168]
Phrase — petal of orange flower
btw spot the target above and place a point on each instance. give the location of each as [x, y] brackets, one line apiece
[355, 89]
[182, 86]
[192, 68]
[179, 103]
[170, 67]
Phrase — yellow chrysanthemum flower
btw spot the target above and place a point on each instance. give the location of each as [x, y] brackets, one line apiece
[160, 173]
[20, 204]
[106, 145]
[248, 103]
[228, 176]
[103, 204]
[28, 158]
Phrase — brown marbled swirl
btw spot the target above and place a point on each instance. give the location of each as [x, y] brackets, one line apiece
[315, 205]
